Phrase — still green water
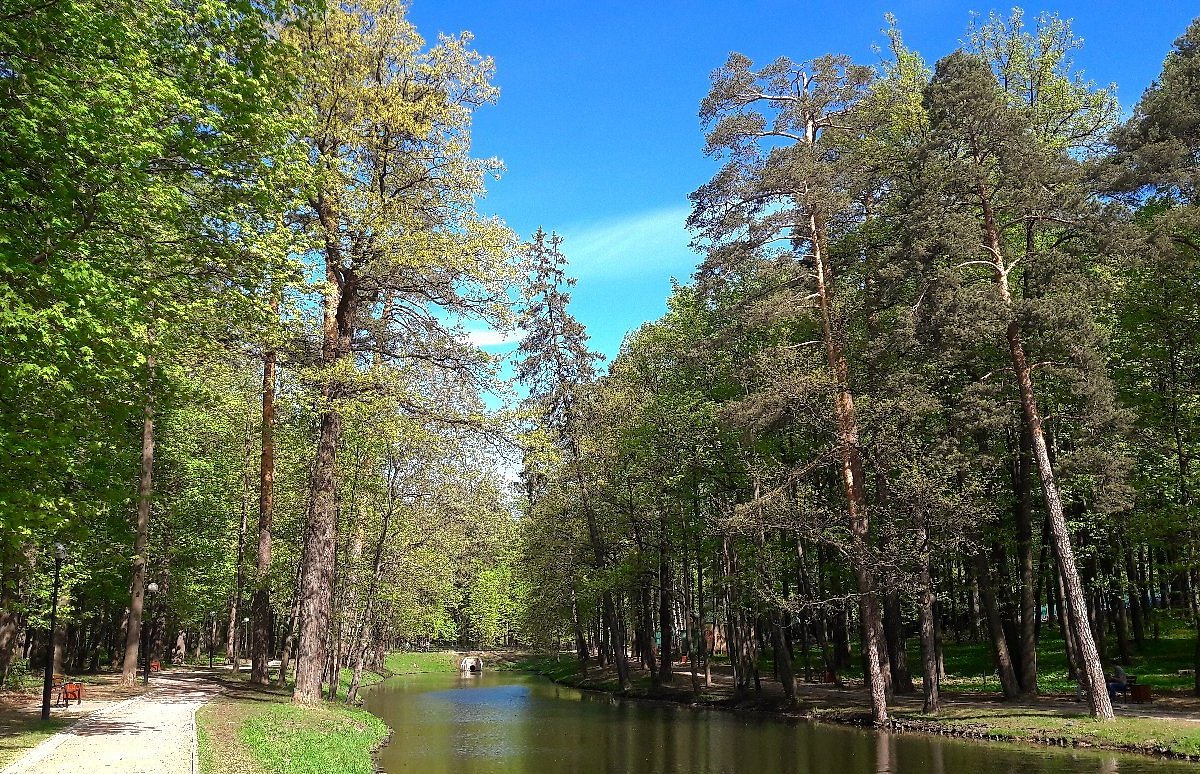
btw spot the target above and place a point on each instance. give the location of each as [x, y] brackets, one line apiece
[508, 723]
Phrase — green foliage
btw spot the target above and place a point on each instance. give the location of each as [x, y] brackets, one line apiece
[19, 675]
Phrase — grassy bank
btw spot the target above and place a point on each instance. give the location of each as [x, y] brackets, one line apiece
[1174, 737]
[257, 729]
[260, 730]
[420, 662]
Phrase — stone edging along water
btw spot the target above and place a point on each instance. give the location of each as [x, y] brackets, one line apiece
[844, 717]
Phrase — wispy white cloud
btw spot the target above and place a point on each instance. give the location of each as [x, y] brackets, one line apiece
[641, 244]
[491, 338]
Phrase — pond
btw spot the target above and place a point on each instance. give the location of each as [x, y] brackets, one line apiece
[512, 723]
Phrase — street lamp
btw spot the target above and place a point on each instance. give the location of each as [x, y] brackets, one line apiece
[245, 638]
[60, 555]
[212, 630]
[151, 589]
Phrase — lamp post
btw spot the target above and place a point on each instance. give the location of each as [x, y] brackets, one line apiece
[151, 589]
[212, 631]
[245, 638]
[60, 555]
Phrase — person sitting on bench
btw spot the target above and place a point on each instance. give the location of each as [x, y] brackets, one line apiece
[1118, 682]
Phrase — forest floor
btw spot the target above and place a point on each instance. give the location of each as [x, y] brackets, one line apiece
[1169, 726]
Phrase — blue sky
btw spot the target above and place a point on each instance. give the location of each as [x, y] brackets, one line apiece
[597, 115]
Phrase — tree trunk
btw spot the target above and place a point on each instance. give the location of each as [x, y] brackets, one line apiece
[289, 642]
[666, 654]
[930, 682]
[367, 627]
[893, 625]
[1135, 601]
[1090, 669]
[266, 506]
[783, 660]
[320, 533]
[137, 584]
[1027, 652]
[581, 646]
[8, 618]
[647, 614]
[853, 477]
[1002, 658]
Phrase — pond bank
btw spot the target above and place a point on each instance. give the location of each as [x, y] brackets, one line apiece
[1046, 720]
[252, 728]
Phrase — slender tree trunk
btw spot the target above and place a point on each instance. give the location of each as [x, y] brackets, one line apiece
[581, 646]
[853, 477]
[266, 506]
[1027, 652]
[137, 585]
[363, 639]
[647, 615]
[233, 633]
[783, 660]
[930, 682]
[1135, 601]
[665, 618]
[1001, 656]
[897, 647]
[9, 595]
[289, 642]
[1064, 624]
[1090, 670]
[703, 643]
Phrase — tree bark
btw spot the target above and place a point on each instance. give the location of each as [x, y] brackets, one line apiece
[1091, 672]
[261, 604]
[137, 584]
[853, 477]
[897, 648]
[930, 682]
[320, 533]
[1135, 601]
[1027, 652]
[666, 654]
[783, 659]
[9, 595]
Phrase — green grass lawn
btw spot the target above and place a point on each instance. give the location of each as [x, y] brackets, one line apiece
[260, 730]
[970, 667]
[19, 734]
[418, 662]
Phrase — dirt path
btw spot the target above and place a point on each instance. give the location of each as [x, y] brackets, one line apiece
[150, 734]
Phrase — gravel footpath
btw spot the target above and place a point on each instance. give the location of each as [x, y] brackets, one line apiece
[150, 734]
